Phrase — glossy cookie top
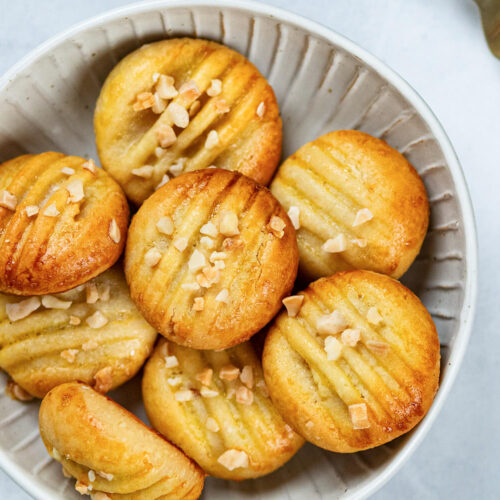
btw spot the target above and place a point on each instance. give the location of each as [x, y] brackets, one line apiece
[209, 257]
[184, 104]
[62, 222]
[356, 203]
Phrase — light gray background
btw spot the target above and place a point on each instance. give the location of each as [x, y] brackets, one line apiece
[438, 47]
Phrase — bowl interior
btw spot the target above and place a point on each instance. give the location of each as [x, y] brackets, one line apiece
[321, 86]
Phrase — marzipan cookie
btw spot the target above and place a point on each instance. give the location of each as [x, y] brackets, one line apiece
[62, 222]
[209, 258]
[183, 104]
[356, 204]
[354, 361]
[92, 333]
[215, 407]
[110, 452]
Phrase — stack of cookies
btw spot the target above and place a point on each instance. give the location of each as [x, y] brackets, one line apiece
[188, 132]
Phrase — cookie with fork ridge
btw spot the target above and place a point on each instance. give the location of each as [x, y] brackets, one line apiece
[185, 104]
[110, 452]
[215, 406]
[92, 333]
[62, 222]
[356, 203]
[209, 258]
[354, 361]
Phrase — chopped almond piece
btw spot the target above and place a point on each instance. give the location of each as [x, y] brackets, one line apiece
[75, 190]
[190, 90]
[178, 115]
[362, 216]
[177, 168]
[90, 166]
[104, 379]
[159, 104]
[221, 106]
[146, 171]
[7, 200]
[104, 292]
[212, 425]
[229, 372]
[69, 355]
[215, 88]
[359, 416]
[152, 257]
[233, 459]
[360, 242]
[212, 275]
[335, 245]
[263, 388]
[207, 242]
[219, 264]
[174, 381]
[20, 310]
[193, 287]
[180, 244]
[82, 488]
[16, 392]
[208, 393]
[350, 336]
[223, 296]
[196, 261]
[163, 181]
[377, 347]
[165, 135]
[332, 323]
[51, 211]
[114, 231]
[144, 100]
[309, 424]
[244, 395]
[92, 295]
[293, 304]
[209, 229]
[232, 243]
[205, 376]
[228, 224]
[67, 171]
[171, 361]
[277, 226]
[246, 376]
[50, 302]
[215, 256]
[261, 109]
[160, 152]
[333, 348]
[105, 475]
[165, 87]
[184, 395]
[212, 139]
[294, 214]
[100, 495]
[31, 210]
[199, 304]
[97, 320]
[165, 225]
[74, 320]
[193, 109]
[373, 316]
[90, 345]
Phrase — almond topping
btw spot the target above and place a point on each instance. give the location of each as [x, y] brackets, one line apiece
[177, 168]
[90, 345]
[212, 139]
[229, 372]
[333, 348]
[223, 296]
[362, 216]
[171, 361]
[180, 244]
[184, 395]
[69, 355]
[232, 243]
[261, 109]
[178, 115]
[309, 424]
[208, 393]
[212, 425]
[373, 316]
[31, 210]
[196, 261]
[294, 214]
[152, 257]
[104, 475]
[263, 388]
[193, 287]
[214, 256]
[379, 348]
[233, 459]
[74, 320]
[92, 295]
[159, 104]
[165, 87]
[75, 190]
[163, 181]
[350, 336]
[50, 302]
[90, 165]
[246, 376]
[114, 231]
[67, 171]
[144, 100]
[104, 292]
[16, 392]
[160, 152]
[293, 304]
[51, 211]
[207, 242]
[205, 376]
[228, 224]
[103, 379]
[100, 495]
[360, 242]
[165, 225]
[97, 320]
[165, 135]
[277, 226]
[7, 200]
[174, 381]
[335, 245]
[332, 323]
[215, 88]
[82, 488]
[221, 106]
[23, 309]
[190, 90]
[209, 229]
[244, 395]
[219, 264]
[359, 416]
[146, 171]
[199, 304]
[193, 109]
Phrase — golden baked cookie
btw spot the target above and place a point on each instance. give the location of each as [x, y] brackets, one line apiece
[92, 333]
[216, 408]
[354, 361]
[62, 222]
[356, 204]
[209, 257]
[110, 452]
[184, 104]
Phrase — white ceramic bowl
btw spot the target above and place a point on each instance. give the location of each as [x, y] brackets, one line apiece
[323, 82]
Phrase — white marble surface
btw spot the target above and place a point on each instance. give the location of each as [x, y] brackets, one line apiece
[439, 48]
